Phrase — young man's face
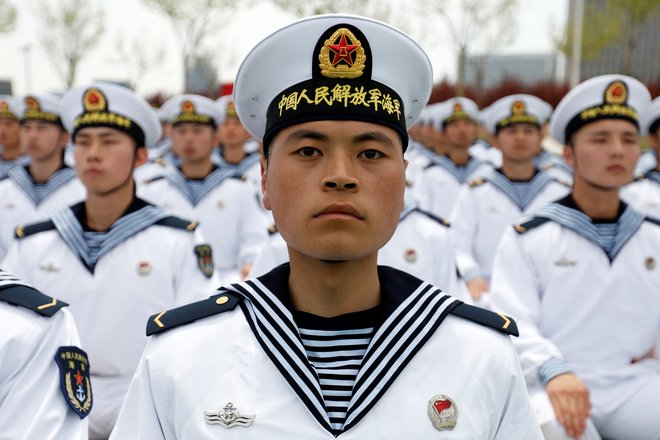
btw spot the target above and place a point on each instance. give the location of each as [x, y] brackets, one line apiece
[604, 153]
[105, 159]
[232, 132]
[10, 130]
[42, 140]
[519, 142]
[335, 187]
[193, 142]
[461, 133]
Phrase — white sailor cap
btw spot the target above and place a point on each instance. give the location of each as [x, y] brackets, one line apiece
[333, 67]
[226, 108]
[601, 97]
[9, 107]
[455, 109]
[516, 109]
[40, 107]
[652, 117]
[192, 108]
[102, 104]
[165, 112]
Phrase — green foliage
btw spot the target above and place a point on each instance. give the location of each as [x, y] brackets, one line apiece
[7, 16]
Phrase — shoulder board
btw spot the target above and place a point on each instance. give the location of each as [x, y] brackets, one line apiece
[564, 182]
[409, 183]
[521, 228]
[442, 221]
[30, 298]
[160, 161]
[169, 319]
[485, 317]
[241, 177]
[652, 220]
[3, 177]
[476, 182]
[153, 179]
[178, 223]
[23, 231]
[272, 229]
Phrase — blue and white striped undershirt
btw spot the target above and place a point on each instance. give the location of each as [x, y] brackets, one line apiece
[337, 355]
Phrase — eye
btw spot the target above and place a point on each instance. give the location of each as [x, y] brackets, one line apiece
[308, 152]
[371, 154]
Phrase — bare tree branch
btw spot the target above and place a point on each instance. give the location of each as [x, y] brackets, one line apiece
[7, 16]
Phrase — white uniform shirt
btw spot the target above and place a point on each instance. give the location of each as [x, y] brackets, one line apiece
[442, 180]
[483, 210]
[482, 151]
[420, 246]
[227, 211]
[643, 194]
[648, 161]
[598, 312]
[412, 357]
[149, 271]
[32, 405]
[23, 201]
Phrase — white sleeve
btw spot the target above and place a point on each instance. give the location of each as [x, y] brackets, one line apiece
[34, 405]
[272, 254]
[516, 291]
[11, 262]
[190, 283]
[517, 419]
[463, 219]
[138, 417]
[253, 229]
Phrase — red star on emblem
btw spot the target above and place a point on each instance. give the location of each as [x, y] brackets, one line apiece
[343, 51]
[79, 378]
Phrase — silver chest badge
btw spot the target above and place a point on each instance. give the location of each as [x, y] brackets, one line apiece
[443, 412]
[228, 417]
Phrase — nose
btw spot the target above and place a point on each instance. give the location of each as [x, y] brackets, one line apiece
[340, 174]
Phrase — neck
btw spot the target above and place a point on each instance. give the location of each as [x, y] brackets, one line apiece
[333, 289]
[42, 170]
[597, 203]
[459, 155]
[197, 169]
[10, 153]
[518, 170]
[233, 153]
[103, 210]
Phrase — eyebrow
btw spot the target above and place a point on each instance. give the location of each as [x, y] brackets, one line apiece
[360, 138]
[100, 134]
[610, 133]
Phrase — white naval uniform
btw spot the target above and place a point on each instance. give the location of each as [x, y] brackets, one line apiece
[22, 203]
[420, 246]
[7, 165]
[596, 311]
[483, 210]
[554, 165]
[441, 181]
[483, 151]
[643, 194]
[32, 404]
[228, 214]
[149, 270]
[191, 370]
[648, 161]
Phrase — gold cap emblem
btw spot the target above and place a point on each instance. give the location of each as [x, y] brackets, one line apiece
[187, 107]
[31, 103]
[518, 108]
[94, 100]
[616, 93]
[342, 55]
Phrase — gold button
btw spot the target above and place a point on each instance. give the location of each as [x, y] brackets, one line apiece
[221, 300]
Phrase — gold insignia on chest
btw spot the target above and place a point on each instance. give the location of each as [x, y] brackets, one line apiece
[649, 262]
[443, 412]
[220, 204]
[49, 267]
[563, 261]
[228, 417]
[342, 55]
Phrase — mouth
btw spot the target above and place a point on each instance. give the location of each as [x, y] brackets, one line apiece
[339, 210]
[616, 169]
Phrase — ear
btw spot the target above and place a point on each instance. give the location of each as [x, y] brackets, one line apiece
[569, 155]
[264, 180]
[64, 139]
[141, 157]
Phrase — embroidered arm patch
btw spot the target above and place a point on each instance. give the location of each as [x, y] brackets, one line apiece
[75, 382]
[205, 259]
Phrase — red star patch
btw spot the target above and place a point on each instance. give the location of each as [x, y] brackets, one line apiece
[342, 51]
[79, 378]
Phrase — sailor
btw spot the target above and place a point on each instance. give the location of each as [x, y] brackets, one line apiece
[643, 193]
[215, 196]
[483, 148]
[330, 345]
[42, 393]
[160, 155]
[114, 257]
[34, 191]
[487, 205]
[10, 129]
[443, 177]
[581, 275]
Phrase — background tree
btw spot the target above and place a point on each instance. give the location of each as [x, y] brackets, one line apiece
[70, 29]
[472, 24]
[136, 57]
[7, 16]
[192, 22]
